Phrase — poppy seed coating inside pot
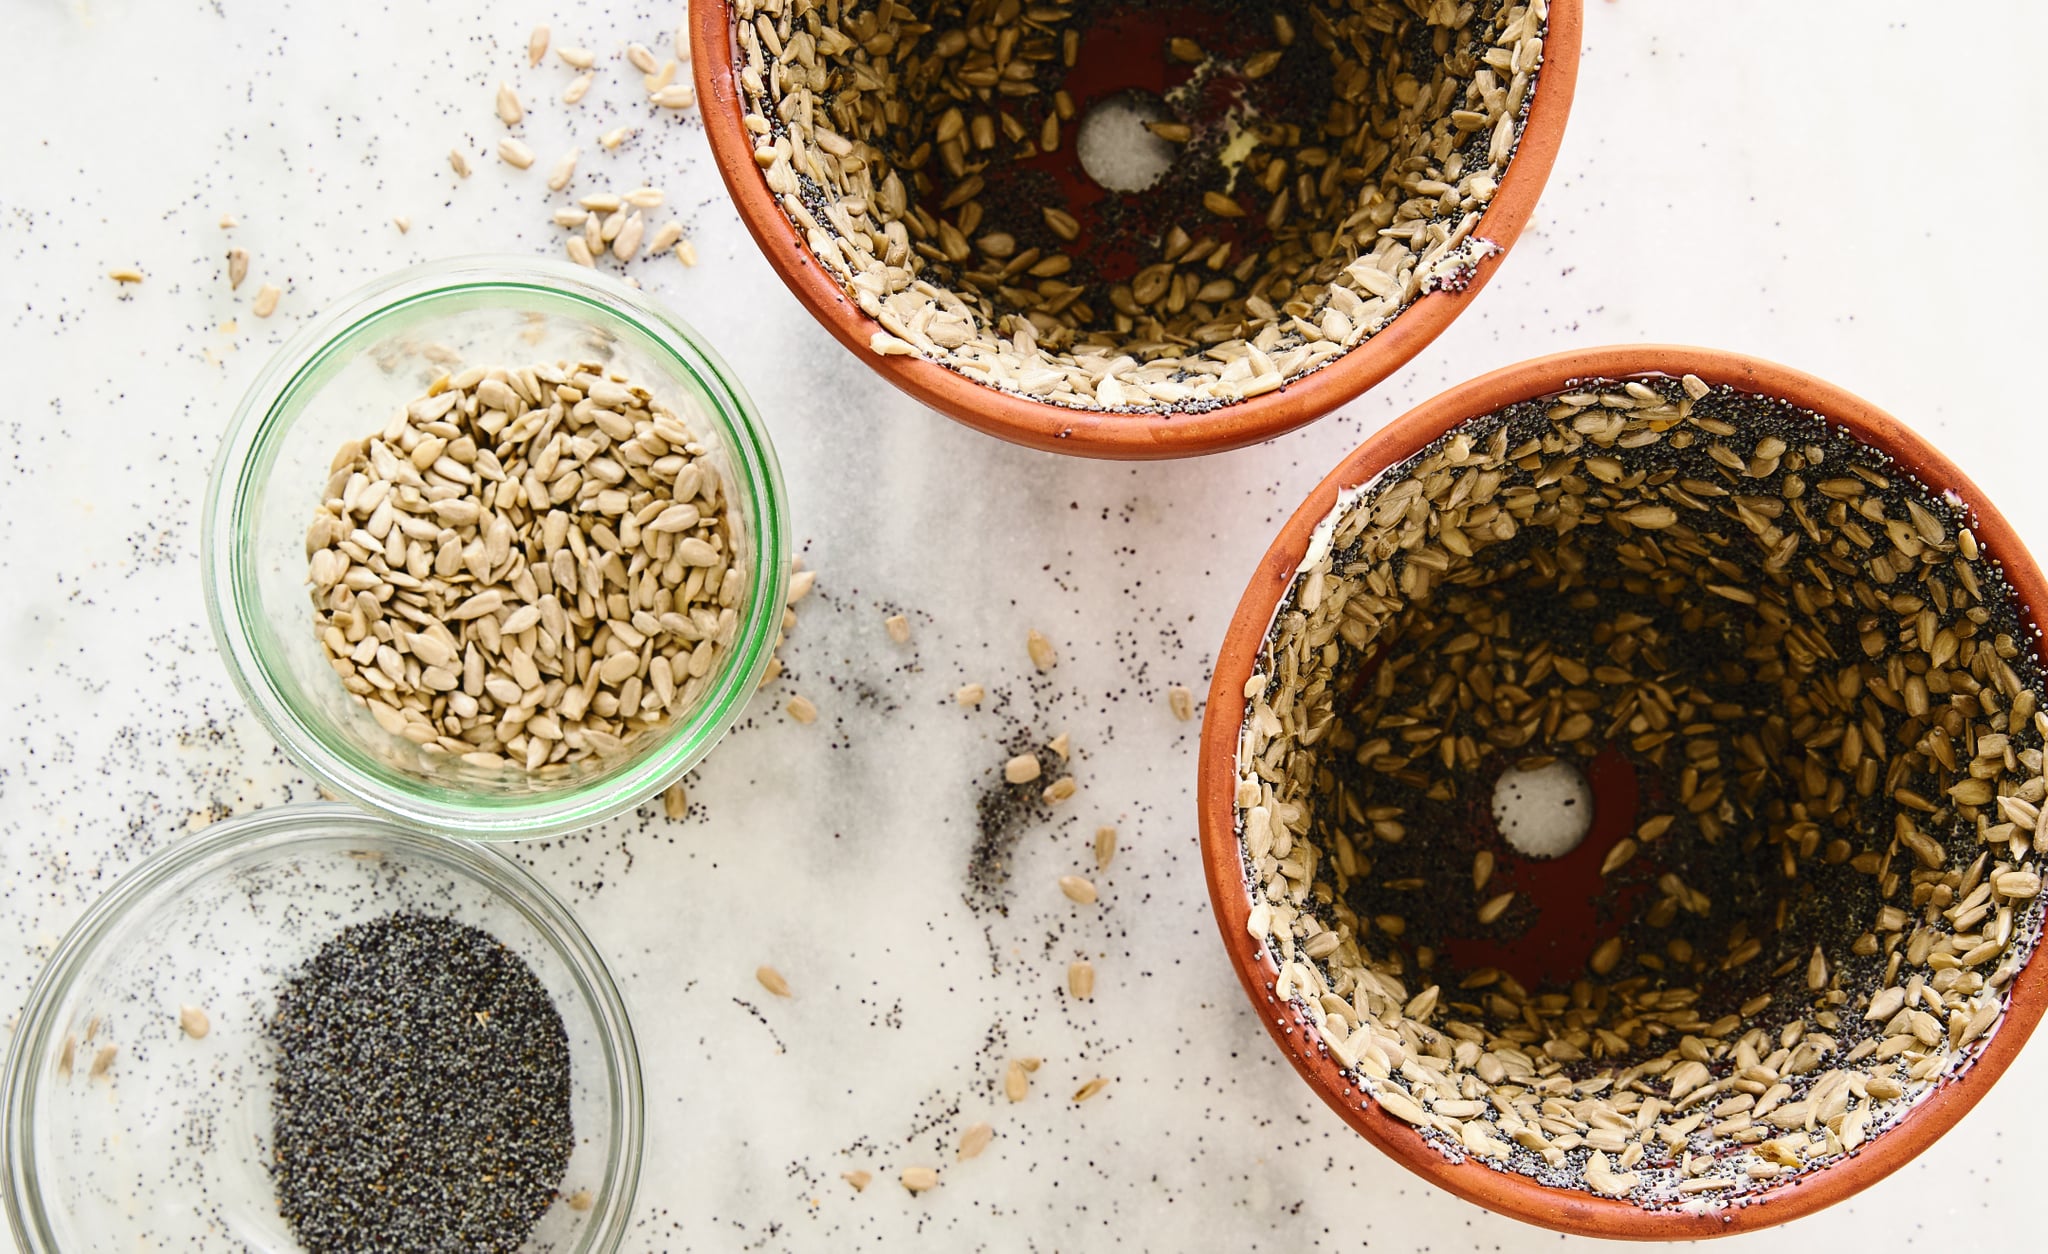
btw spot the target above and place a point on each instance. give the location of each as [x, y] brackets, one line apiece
[1331, 163]
[1810, 713]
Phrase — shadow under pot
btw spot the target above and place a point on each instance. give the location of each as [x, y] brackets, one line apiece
[1136, 228]
[1620, 792]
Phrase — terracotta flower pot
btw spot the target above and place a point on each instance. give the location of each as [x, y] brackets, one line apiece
[1520, 1196]
[1109, 434]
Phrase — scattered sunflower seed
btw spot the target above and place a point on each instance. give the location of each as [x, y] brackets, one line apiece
[974, 1140]
[919, 1179]
[125, 274]
[1105, 847]
[1078, 889]
[458, 163]
[565, 169]
[1090, 1089]
[772, 980]
[1043, 656]
[192, 1021]
[802, 710]
[266, 300]
[238, 267]
[675, 801]
[1181, 701]
[860, 1180]
[969, 694]
[898, 628]
[537, 45]
[510, 111]
[1081, 980]
[514, 153]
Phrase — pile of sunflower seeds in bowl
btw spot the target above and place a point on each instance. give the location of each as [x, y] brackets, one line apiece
[1329, 163]
[1827, 705]
[526, 568]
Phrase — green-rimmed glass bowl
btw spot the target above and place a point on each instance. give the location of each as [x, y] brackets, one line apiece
[340, 379]
[167, 1144]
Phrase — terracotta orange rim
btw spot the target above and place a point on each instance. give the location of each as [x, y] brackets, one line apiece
[1510, 1194]
[1095, 434]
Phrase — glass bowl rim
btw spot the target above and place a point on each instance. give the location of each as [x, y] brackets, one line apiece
[276, 828]
[258, 425]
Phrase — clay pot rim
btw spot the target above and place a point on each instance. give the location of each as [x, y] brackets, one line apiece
[1090, 433]
[1517, 1196]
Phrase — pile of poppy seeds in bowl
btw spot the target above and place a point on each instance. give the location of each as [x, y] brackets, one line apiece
[1809, 713]
[421, 1099]
[1325, 163]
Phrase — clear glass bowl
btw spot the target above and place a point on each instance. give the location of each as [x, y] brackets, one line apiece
[169, 1148]
[340, 379]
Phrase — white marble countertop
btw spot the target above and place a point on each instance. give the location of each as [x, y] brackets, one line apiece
[1845, 186]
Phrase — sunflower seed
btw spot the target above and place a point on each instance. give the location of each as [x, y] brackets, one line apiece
[1081, 980]
[514, 153]
[919, 1179]
[772, 980]
[1042, 654]
[974, 1140]
[1105, 847]
[1078, 889]
[192, 1021]
[510, 111]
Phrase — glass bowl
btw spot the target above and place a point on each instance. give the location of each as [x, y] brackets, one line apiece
[340, 379]
[169, 1147]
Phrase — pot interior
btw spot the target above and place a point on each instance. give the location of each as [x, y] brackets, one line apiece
[1640, 790]
[1142, 205]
